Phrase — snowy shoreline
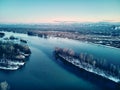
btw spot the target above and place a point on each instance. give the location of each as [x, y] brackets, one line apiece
[92, 70]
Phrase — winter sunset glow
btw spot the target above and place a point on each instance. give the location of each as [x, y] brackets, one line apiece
[38, 11]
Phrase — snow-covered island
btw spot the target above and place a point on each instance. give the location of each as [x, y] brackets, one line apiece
[13, 55]
[89, 63]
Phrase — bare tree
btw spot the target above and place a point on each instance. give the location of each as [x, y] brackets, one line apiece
[94, 63]
[71, 52]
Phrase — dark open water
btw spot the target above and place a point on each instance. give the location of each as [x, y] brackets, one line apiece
[43, 72]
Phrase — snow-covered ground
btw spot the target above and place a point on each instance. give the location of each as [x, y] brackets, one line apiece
[91, 69]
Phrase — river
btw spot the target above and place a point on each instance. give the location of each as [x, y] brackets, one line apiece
[42, 72]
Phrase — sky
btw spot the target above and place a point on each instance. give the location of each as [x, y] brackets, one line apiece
[51, 11]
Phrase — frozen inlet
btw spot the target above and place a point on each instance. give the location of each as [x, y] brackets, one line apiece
[16, 63]
[10, 65]
[9, 68]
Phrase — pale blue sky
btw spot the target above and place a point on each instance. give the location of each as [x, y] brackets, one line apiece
[35, 11]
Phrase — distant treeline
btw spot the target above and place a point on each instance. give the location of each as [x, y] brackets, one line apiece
[91, 28]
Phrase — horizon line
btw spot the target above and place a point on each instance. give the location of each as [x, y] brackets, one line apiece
[59, 22]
